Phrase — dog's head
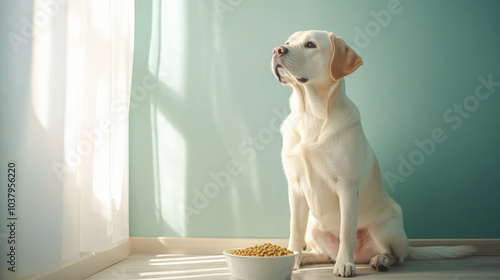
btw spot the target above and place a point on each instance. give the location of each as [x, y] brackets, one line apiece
[313, 57]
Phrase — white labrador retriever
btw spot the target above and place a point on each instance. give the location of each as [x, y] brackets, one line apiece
[339, 209]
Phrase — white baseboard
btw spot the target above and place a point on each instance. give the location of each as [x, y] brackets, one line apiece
[177, 245]
[87, 264]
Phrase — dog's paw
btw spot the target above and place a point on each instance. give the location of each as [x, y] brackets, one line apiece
[380, 263]
[308, 258]
[314, 258]
[298, 261]
[344, 269]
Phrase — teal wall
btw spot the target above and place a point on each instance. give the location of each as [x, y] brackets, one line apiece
[205, 107]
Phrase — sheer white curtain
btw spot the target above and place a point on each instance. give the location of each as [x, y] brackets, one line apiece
[65, 126]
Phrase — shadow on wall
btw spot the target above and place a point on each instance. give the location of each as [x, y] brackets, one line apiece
[190, 146]
[149, 127]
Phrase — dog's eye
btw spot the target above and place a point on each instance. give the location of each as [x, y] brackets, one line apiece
[287, 43]
[310, 45]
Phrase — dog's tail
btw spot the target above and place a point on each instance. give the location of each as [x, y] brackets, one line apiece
[440, 252]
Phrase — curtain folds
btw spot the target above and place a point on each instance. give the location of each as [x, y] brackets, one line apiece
[70, 142]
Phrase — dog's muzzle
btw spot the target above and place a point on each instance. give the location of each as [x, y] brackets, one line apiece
[278, 52]
[279, 65]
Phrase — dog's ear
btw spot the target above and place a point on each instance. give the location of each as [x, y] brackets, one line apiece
[344, 59]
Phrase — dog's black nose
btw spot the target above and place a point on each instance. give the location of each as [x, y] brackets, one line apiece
[281, 50]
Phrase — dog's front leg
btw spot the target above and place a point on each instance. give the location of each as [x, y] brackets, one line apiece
[348, 202]
[299, 214]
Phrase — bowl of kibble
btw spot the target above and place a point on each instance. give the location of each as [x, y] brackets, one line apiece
[261, 262]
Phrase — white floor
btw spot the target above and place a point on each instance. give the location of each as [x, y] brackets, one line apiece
[214, 267]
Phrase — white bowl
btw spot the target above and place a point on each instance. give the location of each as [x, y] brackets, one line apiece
[260, 268]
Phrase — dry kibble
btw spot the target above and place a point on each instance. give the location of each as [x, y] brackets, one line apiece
[264, 250]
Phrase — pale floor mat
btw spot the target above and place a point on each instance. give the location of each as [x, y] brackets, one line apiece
[213, 267]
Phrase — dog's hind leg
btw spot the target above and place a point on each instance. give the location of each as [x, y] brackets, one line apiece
[321, 243]
[389, 240]
[311, 257]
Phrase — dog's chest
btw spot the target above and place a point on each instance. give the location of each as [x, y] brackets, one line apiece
[308, 128]
[309, 163]
[304, 152]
